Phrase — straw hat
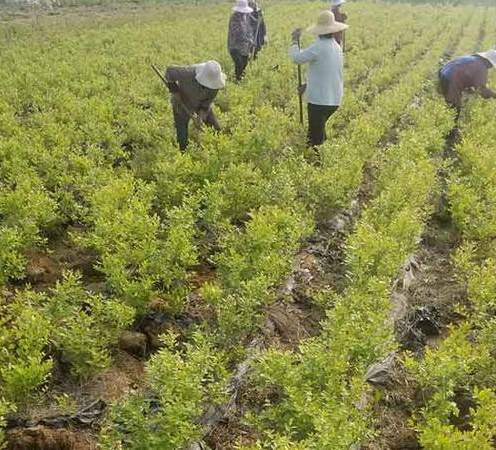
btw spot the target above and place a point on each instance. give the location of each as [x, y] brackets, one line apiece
[326, 24]
[210, 75]
[242, 6]
[489, 55]
[337, 2]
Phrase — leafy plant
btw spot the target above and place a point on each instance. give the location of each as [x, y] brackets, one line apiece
[182, 380]
[85, 326]
[24, 338]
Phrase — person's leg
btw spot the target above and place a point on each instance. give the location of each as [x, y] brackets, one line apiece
[449, 91]
[181, 121]
[234, 56]
[244, 63]
[239, 64]
[454, 98]
[316, 125]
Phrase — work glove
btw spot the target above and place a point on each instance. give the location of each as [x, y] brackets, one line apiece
[296, 34]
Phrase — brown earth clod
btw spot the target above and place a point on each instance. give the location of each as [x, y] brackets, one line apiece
[44, 438]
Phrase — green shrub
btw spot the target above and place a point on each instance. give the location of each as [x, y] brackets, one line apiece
[182, 380]
[24, 337]
[25, 209]
[140, 255]
[85, 327]
[252, 262]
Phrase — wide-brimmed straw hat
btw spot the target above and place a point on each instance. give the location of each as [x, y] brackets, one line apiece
[337, 2]
[242, 6]
[490, 55]
[210, 75]
[326, 24]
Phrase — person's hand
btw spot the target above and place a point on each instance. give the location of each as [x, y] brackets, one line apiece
[202, 114]
[173, 87]
[296, 34]
[302, 89]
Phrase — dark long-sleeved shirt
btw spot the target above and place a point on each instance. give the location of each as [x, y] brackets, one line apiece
[196, 98]
[259, 28]
[240, 35]
[467, 72]
[340, 17]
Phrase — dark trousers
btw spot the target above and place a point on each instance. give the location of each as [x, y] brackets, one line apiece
[181, 121]
[318, 115]
[240, 63]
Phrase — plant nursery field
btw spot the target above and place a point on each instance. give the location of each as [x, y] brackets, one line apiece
[249, 293]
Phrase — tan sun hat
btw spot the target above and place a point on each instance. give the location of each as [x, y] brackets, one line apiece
[242, 7]
[326, 24]
[210, 75]
[489, 55]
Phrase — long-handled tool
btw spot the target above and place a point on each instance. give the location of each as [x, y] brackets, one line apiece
[195, 117]
[300, 91]
[255, 37]
[257, 30]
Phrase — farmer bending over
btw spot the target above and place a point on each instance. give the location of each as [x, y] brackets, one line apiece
[193, 90]
[466, 72]
[240, 39]
[325, 73]
[340, 16]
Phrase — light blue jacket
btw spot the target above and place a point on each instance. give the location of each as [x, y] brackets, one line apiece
[325, 71]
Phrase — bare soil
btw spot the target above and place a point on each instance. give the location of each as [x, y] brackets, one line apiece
[45, 267]
[44, 438]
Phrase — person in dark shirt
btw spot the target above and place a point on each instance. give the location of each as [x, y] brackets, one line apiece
[240, 39]
[466, 72]
[193, 90]
[340, 16]
[259, 27]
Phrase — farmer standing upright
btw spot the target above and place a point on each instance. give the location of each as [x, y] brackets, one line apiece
[240, 40]
[193, 90]
[466, 72]
[259, 27]
[324, 88]
[340, 16]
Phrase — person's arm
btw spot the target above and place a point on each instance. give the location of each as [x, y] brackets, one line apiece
[248, 32]
[302, 56]
[174, 75]
[487, 93]
[231, 32]
[209, 118]
[205, 105]
[480, 83]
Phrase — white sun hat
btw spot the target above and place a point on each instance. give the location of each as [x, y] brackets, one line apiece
[242, 6]
[210, 75]
[489, 55]
[337, 2]
[326, 24]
